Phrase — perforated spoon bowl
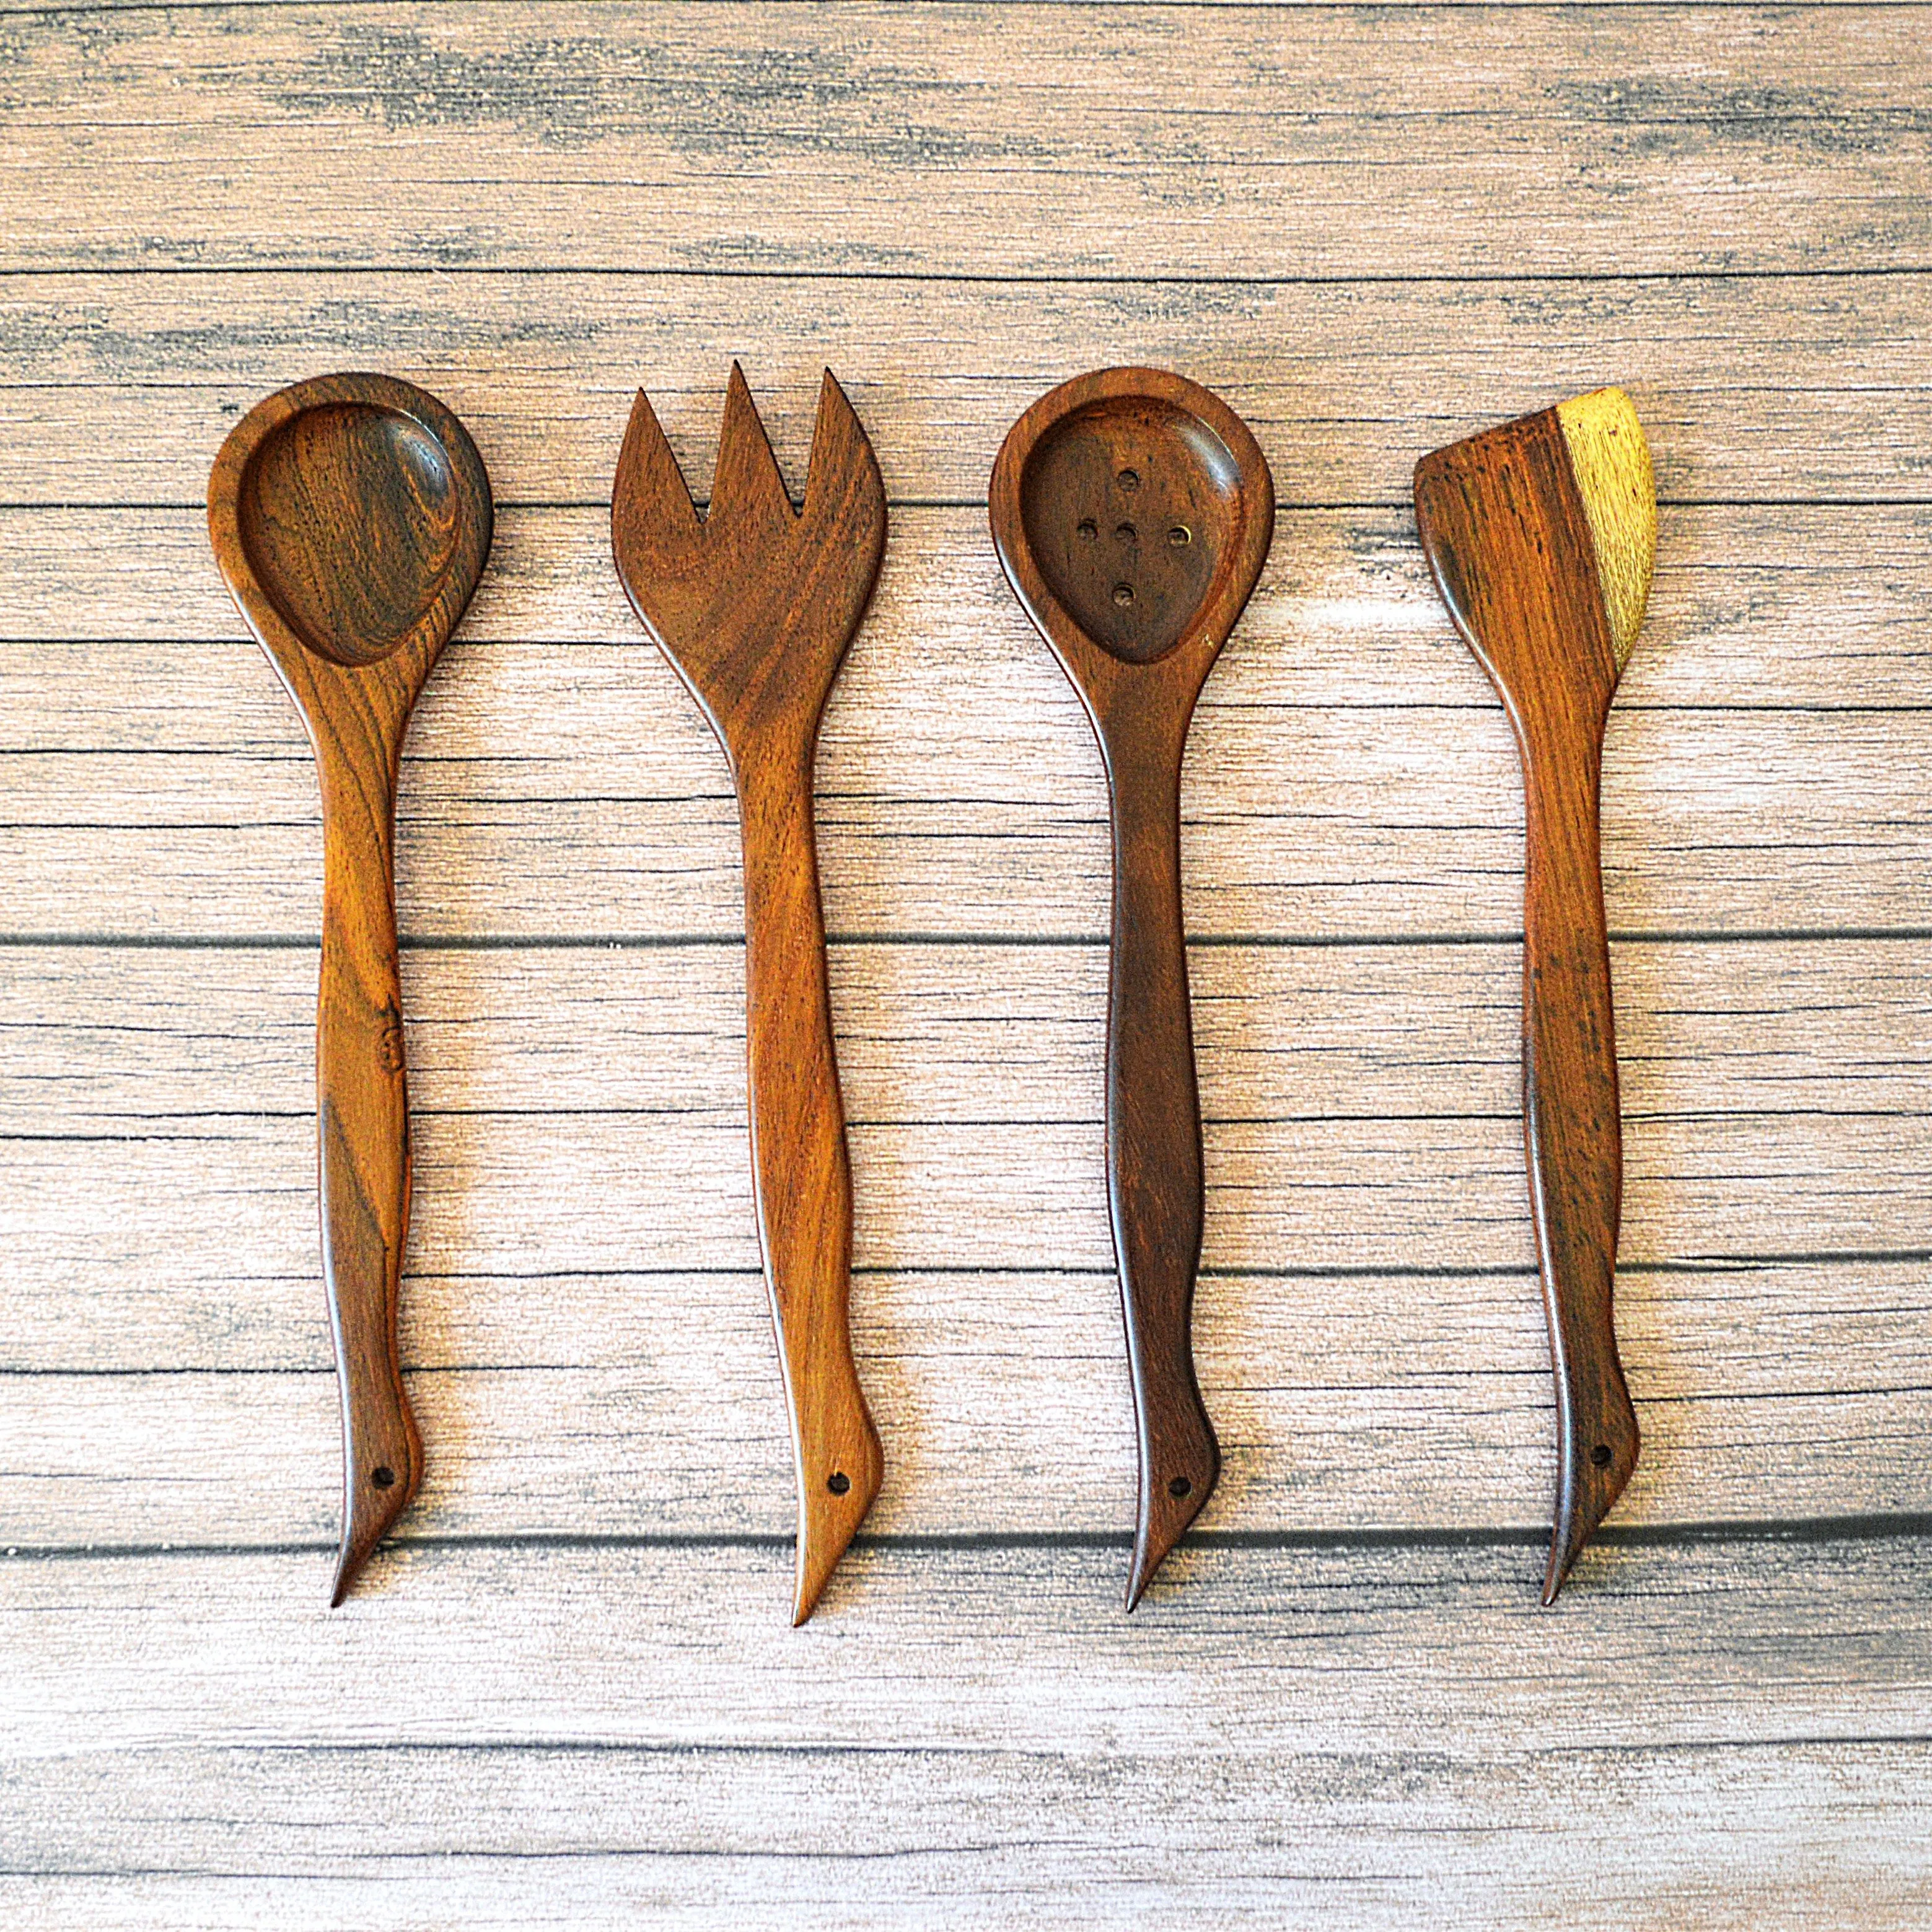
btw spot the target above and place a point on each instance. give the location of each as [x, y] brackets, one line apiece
[351, 516]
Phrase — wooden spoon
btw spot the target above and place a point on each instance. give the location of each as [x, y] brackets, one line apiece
[1542, 535]
[1132, 512]
[754, 608]
[351, 516]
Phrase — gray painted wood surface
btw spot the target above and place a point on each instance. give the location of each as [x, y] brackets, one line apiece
[568, 1695]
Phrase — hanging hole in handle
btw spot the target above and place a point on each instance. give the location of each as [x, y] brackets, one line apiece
[1179, 1487]
[839, 1482]
[382, 1476]
[1124, 594]
[1600, 1455]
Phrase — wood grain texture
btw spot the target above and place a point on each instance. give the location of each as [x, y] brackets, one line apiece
[350, 516]
[1320, 1722]
[1352, 1192]
[1366, 1397]
[1407, 1721]
[1133, 510]
[754, 608]
[990, 140]
[1345, 614]
[1794, 1391]
[1349, 773]
[1716, 1836]
[148, 372]
[1426, 1636]
[1610, 465]
[1541, 542]
[1385, 1134]
[100, 1038]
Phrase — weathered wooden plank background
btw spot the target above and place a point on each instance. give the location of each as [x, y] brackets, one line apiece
[568, 1695]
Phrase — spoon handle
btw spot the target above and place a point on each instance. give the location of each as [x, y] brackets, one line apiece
[364, 1148]
[1154, 1181]
[1574, 1131]
[799, 1164]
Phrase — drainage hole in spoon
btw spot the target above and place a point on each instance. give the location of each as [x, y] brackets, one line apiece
[1181, 536]
[1130, 479]
[1124, 594]
[1126, 533]
[1088, 528]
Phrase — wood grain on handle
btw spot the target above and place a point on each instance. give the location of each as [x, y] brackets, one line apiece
[364, 1148]
[1574, 1135]
[801, 1168]
[1546, 576]
[1154, 1179]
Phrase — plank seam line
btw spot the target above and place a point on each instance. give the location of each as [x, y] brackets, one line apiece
[432, 943]
[276, 755]
[561, 1747]
[1390, 1271]
[418, 1370]
[1881, 1528]
[1284, 506]
[180, 1128]
[728, 1111]
[439, 276]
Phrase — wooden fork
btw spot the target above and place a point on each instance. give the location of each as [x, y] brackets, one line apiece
[754, 607]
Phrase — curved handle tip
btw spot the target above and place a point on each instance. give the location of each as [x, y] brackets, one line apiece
[1595, 1459]
[1175, 1487]
[380, 1480]
[834, 1495]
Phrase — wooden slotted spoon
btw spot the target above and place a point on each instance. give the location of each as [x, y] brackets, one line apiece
[1133, 510]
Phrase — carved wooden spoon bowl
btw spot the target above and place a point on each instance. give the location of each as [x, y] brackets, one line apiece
[351, 516]
[1132, 512]
[1128, 506]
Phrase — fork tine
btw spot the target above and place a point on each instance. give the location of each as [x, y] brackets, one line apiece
[652, 513]
[843, 464]
[748, 493]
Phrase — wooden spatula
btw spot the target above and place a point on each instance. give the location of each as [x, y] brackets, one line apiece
[1542, 535]
[754, 607]
[351, 517]
[1132, 512]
